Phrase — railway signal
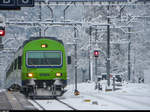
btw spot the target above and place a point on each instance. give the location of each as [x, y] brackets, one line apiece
[2, 31]
[2, 25]
[96, 53]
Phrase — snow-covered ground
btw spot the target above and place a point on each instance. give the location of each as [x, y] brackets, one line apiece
[2, 90]
[131, 96]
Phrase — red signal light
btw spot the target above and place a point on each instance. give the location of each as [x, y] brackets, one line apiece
[96, 53]
[2, 32]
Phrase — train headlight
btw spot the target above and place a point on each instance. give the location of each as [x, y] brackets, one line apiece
[44, 45]
[30, 75]
[58, 74]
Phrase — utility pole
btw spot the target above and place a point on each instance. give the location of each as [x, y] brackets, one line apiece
[40, 17]
[96, 35]
[108, 49]
[2, 34]
[76, 92]
[96, 67]
[129, 61]
[0, 40]
[90, 53]
[75, 47]
[95, 55]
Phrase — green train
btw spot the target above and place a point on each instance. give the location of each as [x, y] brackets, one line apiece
[39, 67]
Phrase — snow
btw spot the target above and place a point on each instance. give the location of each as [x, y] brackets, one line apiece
[50, 105]
[130, 96]
[147, 76]
[2, 90]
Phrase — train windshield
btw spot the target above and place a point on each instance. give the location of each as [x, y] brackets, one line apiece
[44, 58]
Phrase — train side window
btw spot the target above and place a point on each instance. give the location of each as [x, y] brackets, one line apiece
[11, 67]
[69, 59]
[15, 64]
[19, 62]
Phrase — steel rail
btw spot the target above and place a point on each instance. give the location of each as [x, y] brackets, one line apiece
[39, 105]
[65, 104]
[19, 101]
[11, 107]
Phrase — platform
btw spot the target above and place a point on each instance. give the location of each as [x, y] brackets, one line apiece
[14, 101]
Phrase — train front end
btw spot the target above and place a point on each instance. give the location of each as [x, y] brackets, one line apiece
[44, 69]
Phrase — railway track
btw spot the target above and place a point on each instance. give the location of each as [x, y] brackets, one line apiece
[22, 106]
[56, 99]
[42, 107]
[65, 104]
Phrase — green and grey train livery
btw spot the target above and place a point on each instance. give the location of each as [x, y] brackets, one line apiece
[39, 67]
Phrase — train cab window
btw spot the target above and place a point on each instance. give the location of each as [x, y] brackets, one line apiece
[19, 62]
[44, 58]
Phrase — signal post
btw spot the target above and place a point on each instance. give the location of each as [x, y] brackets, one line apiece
[2, 30]
[2, 33]
[96, 55]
